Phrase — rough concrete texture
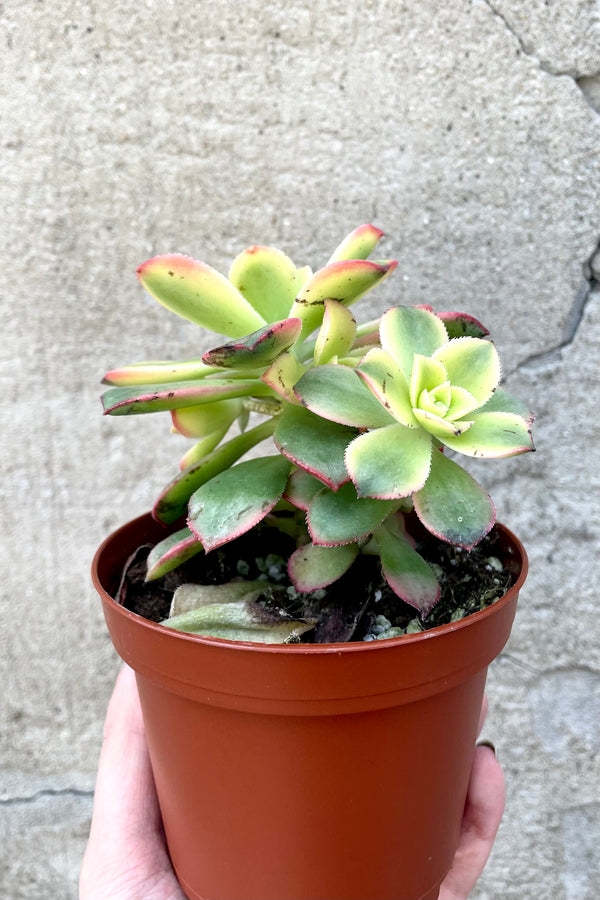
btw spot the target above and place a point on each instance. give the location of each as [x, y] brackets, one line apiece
[469, 131]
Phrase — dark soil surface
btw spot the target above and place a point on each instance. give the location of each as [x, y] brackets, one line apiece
[360, 606]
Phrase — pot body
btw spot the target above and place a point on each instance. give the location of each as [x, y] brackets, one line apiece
[308, 772]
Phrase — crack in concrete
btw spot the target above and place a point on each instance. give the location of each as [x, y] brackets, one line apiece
[48, 792]
[586, 84]
[589, 287]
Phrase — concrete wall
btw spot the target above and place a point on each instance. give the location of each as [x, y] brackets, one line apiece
[470, 132]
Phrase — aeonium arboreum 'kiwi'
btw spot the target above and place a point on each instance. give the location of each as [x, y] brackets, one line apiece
[360, 416]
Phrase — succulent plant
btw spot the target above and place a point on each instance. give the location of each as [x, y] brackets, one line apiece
[361, 417]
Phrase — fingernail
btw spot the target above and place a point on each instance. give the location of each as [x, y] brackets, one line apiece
[487, 744]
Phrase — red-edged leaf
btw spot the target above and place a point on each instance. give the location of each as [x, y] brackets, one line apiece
[160, 372]
[314, 444]
[337, 393]
[359, 244]
[389, 463]
[125, 401]
[282, 376]
[173, 500]
[301, 489]
[462, 325]
[268, 279]
[452, 505]
[406, 572]
[342, 517]
[172, 552]
[199, 293]
[236, 500]
[346, 281]
[312, 567]
[258, 349]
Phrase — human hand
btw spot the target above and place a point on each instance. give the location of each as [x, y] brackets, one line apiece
[481, 820]
[127, 857]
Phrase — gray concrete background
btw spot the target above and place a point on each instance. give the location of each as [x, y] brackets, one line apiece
[468, 131]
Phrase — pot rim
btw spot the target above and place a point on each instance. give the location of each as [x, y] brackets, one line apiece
[514, 546]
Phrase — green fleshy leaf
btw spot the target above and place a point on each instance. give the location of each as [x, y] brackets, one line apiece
[471, 363]
[337, 393]
[199, 293]
[345, 281]
[426, 375]
[406, 572]
[125, 401]
[441, 428]
[314, 444]
[387, 381]
[301, 489]
[493, 435]
[359, 244]
[240, 621]
[236, 500]
[173, 500]
[160, 372]
[406, 330]
[462, 325]
[452, 505]
[171, 552]
[202, 448]
[462, 402]
[312, 567]
[343, 518]
[258, 349]
[188, 597]
[502, 401]
[337, 332]
[199, 421]
[390, 462]
[268, 279]
[283, 375]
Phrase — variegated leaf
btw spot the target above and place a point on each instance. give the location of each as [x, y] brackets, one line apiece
[336, 334]
[359, 244]
[388, 383]
[406, 572]
[314, 444]
[172, 501]
[199, 293]
[268, 279]
[312, 567]
[439, 427]
[258, 349]
[302, 488]
[343, 518]
[493, 435]
[161, 372]
[237, 499]
[407, 330]
[199, 421]
[202, 448]
[125, 401]
[502, 401]
[337, 393]
[282, 376]
[346, 281]
[390, 462]
[471, 363]
[452, 505]
[462, 325]
[171, 552]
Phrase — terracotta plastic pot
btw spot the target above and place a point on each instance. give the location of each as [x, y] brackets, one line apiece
[308, 771]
